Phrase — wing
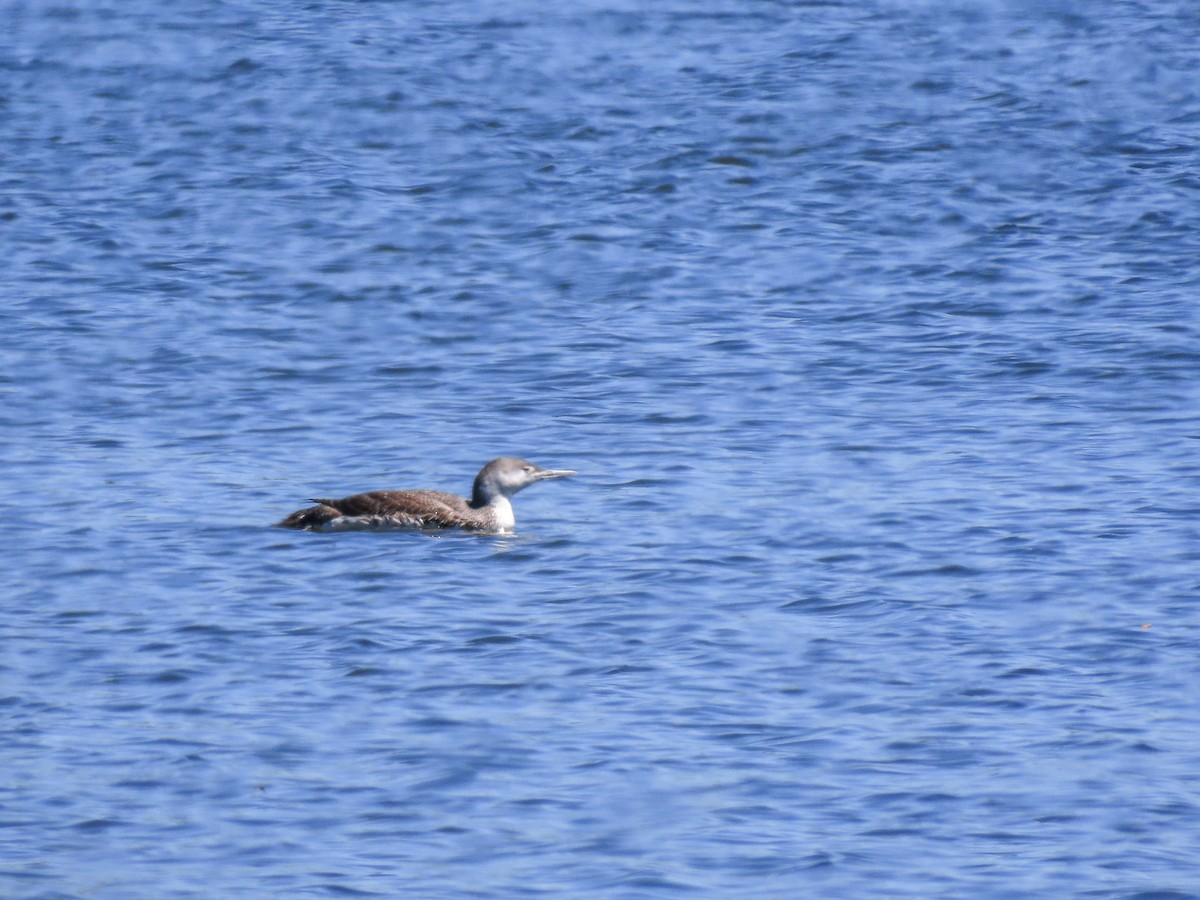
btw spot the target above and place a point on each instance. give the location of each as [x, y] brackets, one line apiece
[417, 509]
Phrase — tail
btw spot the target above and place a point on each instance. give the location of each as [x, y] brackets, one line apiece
[313, 517]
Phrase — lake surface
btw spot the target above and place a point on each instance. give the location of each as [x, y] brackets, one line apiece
[870, 327]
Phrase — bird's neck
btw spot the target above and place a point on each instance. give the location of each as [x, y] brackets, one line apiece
[503, 511]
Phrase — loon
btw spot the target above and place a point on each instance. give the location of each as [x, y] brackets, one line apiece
[489, 508]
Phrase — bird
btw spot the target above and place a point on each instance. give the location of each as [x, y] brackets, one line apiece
[488, 510]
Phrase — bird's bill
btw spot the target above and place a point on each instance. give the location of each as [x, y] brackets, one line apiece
[544, 474]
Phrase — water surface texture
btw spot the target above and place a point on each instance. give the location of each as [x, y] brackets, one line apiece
[871, 329]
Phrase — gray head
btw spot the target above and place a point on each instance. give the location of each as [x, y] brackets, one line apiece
[505, 476]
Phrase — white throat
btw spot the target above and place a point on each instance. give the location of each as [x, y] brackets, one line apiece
[505, 520]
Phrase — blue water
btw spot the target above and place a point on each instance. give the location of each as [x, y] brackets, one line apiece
[871, 328]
